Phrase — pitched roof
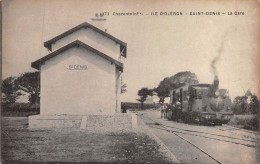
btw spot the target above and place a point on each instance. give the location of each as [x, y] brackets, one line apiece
[36, 64]
[123, 45]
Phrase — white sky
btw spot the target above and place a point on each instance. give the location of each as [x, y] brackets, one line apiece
[158, 46]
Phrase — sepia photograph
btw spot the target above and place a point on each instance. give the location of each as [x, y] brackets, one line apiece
[130, 81]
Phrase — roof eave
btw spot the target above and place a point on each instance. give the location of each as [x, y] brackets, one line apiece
[120, 68]
[48, 45]
[35, 65]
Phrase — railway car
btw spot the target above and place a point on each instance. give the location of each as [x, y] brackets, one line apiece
[204, 103]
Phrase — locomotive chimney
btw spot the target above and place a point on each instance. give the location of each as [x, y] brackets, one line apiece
[214, 86]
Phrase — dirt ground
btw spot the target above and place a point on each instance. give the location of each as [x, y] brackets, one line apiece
[24, 145]
[204, 144]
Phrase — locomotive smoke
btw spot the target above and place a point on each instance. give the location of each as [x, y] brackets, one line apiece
[215, 83]
[215, 60]
[213, 66]
[220, 50]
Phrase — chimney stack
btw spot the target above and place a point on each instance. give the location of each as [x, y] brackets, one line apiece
[214, 86]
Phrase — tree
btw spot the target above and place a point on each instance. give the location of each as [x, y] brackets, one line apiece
[173, 82]
[10, 90]
[254, 104]
[182, 78]
[163, 89]
[30, 83]
[123, 86]
[143, 94]
[240, 105]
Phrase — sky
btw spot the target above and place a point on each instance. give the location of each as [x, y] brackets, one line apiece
[158, 46]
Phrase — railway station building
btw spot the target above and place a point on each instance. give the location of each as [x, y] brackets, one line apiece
[80, 77]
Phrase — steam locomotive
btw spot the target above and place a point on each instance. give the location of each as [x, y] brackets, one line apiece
[201, 103]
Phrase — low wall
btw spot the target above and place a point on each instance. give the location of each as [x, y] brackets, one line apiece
[93, 123]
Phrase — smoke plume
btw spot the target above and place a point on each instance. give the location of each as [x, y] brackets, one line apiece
[213, 65]
[217, 58]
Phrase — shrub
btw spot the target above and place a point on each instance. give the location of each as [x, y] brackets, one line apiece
[20, 109]
[250, 122]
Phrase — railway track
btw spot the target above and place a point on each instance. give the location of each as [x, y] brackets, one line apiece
[244, 130]
[252, 142]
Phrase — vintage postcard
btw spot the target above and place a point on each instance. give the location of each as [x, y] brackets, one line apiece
[130, 81]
